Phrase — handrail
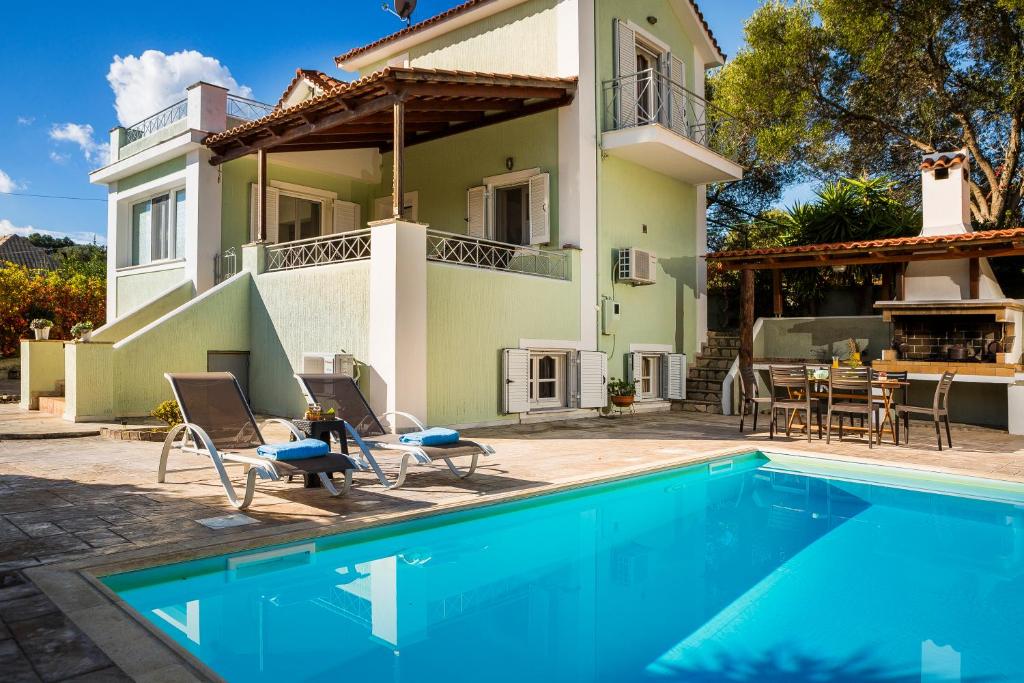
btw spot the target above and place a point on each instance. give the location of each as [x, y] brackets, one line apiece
[316, 251]
[161, 119]
[480, 252]
[652, 97]
[248, 109]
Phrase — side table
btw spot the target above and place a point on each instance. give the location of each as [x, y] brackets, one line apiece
[322, 429]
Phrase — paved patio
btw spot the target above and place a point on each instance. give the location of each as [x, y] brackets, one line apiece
[73, 501]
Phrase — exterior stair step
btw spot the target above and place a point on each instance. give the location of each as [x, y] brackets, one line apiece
[52, 405]
[689, 405]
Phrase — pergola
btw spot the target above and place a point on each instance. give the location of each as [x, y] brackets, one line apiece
[898, 251]
[389, 110]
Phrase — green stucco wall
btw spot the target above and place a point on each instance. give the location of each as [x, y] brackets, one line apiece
[239, 174]
[472, 314]
[89, 392]
[154, 308]
[136, 289]
[442, 170]
[668, 30]
[42, 367]
[323, 309]
[632, 197]
[217, 320]
[152, 173]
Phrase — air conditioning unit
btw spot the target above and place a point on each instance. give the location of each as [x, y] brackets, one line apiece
[329, 364]
[637, 266]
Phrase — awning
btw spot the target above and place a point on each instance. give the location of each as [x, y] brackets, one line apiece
[361, 114]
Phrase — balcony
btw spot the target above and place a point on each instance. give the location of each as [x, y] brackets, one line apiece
[658, 123]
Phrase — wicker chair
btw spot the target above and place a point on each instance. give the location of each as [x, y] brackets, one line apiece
[749, 400]
[939, 412]
[792, 380]
[849, 393]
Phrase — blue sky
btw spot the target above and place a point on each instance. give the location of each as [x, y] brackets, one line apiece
[55, 74]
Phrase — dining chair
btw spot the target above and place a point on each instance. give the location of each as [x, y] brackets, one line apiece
[849, 393]
[901, 376]
[939, 412]
[791, 379]
[748, 396]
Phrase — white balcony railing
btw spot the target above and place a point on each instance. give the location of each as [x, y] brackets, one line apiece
[238, 109]
[650, 97]
[476, 252]
[318, 251]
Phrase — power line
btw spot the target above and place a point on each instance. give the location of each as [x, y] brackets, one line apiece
[54, 196]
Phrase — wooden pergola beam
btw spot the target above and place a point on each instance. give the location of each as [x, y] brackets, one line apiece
[982, 250]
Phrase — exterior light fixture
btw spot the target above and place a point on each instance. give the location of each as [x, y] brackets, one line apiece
[509, 163]
[652, 20]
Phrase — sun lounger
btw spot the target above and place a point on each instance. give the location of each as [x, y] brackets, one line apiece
[368, 433]
[219, 424]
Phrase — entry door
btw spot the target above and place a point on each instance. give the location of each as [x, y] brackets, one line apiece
[235, 362]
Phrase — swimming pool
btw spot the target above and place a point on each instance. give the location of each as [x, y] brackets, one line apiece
[747, 569]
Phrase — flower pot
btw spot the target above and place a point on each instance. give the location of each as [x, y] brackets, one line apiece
[42, 333]
[623, 401]
[85, 336]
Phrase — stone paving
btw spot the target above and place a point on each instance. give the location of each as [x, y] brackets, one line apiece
[69, 500]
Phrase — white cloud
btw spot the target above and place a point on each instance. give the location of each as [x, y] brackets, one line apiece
[58, 158]
[81, 135]
[26, 120]
[83, 237]
[7, 184]
[146, 84]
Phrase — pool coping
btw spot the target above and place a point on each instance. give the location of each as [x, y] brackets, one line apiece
[146, 653]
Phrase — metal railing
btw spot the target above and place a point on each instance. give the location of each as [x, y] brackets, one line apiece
[225, 265]
[476, 252]
[157, 121]
[318, 251]
[249, 110]
[651, 97]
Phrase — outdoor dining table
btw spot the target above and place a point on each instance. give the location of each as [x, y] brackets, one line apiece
[887, 390]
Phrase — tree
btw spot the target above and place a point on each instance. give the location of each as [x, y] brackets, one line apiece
[836, 88]
[49, 242]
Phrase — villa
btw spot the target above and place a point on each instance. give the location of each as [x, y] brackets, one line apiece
[502, 211]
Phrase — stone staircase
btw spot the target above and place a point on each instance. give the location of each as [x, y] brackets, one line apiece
[706, 372]
[53, 404]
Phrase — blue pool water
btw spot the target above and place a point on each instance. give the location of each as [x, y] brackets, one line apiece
[751, 572]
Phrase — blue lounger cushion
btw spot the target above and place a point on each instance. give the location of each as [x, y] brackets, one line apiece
[435, 436]
[295, 450]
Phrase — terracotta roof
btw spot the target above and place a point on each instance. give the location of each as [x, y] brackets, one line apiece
[781, 255]
[21, 251]
[463, 8]
[932, 162]
[441, 84]
[317, 78]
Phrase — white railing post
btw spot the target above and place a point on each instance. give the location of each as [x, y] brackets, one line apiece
[207, 107]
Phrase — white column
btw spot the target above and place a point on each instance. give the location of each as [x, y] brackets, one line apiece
[701, 248]
[1015, 404]
[116, 244]
[207, 107]
[577, 156]
[202, 222]
[398, 318]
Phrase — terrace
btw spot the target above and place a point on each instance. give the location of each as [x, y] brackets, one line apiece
[79, 504]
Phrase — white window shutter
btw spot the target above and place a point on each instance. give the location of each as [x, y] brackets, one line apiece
[572, 381]
[677, 96]
[634, 366]
[593, 382]
[346, 216]
[476, 211]
[515, 382]
[540, 215]
[625, 71]
[254, 212]
[673, 376]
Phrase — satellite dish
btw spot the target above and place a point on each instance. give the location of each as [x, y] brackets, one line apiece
[403, 9]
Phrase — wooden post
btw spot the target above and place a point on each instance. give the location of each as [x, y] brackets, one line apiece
[975, 286]
[777, 292]
[398, 157]
[746, 318]
[901, 282]
[261, 195]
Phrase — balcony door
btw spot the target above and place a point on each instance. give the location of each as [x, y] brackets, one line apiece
[648, 85]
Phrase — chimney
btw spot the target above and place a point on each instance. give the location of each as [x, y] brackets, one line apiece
[945, 193]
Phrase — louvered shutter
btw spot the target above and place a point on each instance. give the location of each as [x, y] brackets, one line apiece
[346, 216]
[634, 366]
[273, 196]
[677, 97]
[572, 381]
[515, 391]
[625, 72]
[673, 376]
[476, 211]
[540, 216]
[593, 379]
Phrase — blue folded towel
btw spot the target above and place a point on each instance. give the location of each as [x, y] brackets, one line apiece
[295, 450]
[435, 436]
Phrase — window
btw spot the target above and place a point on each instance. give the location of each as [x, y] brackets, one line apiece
[298, 218]
[512, 214]
[547, 380]
[158, 228]
[648, 85]
[650, 375]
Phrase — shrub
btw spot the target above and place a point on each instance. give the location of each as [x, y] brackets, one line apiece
[168, 412]
[620, 387]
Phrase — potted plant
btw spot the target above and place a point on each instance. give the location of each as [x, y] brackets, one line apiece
[621, 392]
[82, 330]
[41, 327]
